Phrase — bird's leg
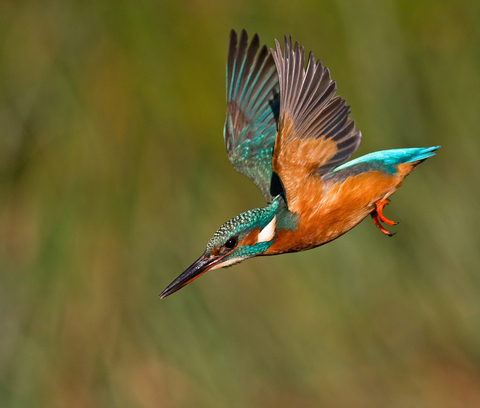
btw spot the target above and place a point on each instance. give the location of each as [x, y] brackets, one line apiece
[377, 214]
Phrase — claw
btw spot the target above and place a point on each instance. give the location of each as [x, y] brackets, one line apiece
[377, 214]
[380, 205]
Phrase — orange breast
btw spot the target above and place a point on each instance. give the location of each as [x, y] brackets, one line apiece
[329, 210]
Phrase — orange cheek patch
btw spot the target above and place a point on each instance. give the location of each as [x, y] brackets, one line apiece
[251, 238]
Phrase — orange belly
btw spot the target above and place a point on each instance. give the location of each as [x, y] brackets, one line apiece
[328, 211]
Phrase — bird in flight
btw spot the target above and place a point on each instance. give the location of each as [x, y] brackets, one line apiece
[287, 131]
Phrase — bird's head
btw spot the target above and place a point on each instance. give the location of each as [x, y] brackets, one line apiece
[245, 236]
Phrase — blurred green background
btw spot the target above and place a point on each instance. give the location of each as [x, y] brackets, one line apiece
[113, 176]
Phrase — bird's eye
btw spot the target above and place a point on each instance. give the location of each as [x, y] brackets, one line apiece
[231, 243]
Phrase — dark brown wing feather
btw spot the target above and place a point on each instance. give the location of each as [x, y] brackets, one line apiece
[307, 99]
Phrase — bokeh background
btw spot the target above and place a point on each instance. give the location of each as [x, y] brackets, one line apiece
[113, 176]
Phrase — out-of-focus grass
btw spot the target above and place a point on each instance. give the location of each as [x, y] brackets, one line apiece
[113, 176]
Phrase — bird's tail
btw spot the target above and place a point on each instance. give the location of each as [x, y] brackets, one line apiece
[388, 161]
[387, 158]
[417, 153]
[408, 159]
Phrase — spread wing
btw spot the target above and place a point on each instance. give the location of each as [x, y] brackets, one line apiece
[315, 134]
[252, 111]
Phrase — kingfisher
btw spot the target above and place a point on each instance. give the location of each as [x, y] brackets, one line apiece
[289, 133]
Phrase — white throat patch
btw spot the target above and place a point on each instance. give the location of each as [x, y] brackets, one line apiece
[227, 263]
[267, 233]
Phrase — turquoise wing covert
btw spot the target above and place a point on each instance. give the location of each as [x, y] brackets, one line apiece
[252, 112]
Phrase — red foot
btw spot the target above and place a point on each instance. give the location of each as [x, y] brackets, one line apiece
[377, 214]
[380, 205]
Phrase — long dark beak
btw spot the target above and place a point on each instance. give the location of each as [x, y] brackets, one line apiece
[200, 266]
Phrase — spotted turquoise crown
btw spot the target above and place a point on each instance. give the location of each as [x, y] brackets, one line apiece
[238, 226]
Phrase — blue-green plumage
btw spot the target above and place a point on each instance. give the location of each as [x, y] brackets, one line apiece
[390, 158]
[252, 111]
